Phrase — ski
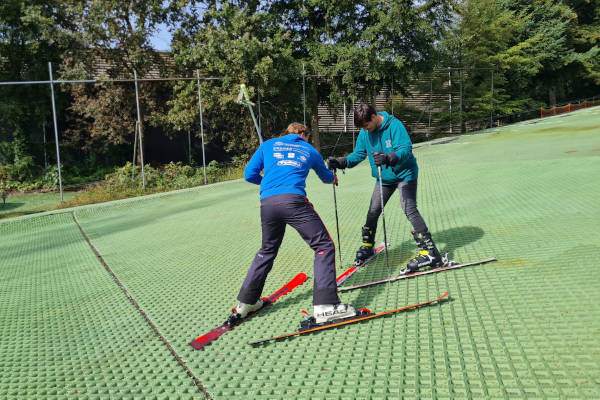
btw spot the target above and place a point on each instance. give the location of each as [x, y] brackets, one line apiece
[418, 273]
[364, 314]
[355, 267]
[234, 321]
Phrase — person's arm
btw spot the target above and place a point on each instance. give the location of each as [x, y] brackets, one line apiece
[254, 167]
[320, 168]
[360, 151]
[401, 143]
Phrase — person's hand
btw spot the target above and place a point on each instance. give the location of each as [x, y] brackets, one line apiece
[336, 163]
[380, 159]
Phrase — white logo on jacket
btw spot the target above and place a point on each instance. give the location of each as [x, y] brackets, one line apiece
[291, 163]
[278, 155]
[388, 143]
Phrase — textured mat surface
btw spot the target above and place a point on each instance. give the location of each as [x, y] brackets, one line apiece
[526, 326]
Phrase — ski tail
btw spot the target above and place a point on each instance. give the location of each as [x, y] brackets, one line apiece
[209, 337]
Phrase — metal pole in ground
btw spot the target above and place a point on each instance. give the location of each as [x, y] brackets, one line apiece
[353, 128]
[135, 140]
[492, 102]
[430, 95]
[345, 119]
[450, 97]
[392, 96]
[137, 102]
[201, 125]
[304, 93]
[55, 132]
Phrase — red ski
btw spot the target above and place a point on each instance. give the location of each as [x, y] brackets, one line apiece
[232, 321]
[350, 271]
[418, 273]
[364, 314]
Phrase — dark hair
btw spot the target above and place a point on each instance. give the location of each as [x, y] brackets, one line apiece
[363, 113]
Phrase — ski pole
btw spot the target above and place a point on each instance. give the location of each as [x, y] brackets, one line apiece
[337, 224]
[387, 258]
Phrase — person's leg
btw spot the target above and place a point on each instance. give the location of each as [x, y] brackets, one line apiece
[428, 252]
[309, 225]
[408, 200]
[273, 229]
[366, 250]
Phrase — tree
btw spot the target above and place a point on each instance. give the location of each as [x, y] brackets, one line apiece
[31, 35]
[355, 47]
[238, 42]
[113, 41]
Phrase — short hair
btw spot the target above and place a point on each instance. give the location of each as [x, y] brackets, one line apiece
[297, 128]
[363, 113]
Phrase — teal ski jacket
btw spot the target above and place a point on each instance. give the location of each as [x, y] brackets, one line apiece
[391, 136]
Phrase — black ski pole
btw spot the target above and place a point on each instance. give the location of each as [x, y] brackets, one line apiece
[337, 224]
[387, 258]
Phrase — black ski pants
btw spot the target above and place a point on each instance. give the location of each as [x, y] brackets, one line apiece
[408, 199]
[275, 213]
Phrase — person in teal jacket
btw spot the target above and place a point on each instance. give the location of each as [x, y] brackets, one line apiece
[383, 139]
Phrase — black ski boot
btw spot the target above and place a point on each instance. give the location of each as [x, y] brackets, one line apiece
[367, 249]
[428, 254]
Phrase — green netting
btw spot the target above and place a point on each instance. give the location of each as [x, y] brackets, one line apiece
[526, 326]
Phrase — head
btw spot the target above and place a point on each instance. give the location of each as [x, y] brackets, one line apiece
[298, 129]
[365, 117]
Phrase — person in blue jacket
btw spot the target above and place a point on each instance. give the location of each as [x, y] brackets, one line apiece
[286, 162]
[383, 139]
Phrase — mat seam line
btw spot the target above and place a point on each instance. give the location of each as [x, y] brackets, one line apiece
[141, 311]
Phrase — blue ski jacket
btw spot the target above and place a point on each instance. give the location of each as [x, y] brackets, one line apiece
[286, 162]
[391, 136]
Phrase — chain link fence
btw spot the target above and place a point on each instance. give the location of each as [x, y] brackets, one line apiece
[84, 129]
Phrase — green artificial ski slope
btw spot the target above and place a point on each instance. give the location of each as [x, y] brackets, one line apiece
[526, 326]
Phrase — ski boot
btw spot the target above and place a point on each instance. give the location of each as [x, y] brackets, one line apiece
[242, 310]
[331, 312]
[367, 249]
[428, 254]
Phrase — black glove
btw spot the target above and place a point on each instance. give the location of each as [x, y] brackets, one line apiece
[336, 163]
[380, 159]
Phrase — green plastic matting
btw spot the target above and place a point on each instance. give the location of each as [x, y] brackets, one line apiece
[525, 326]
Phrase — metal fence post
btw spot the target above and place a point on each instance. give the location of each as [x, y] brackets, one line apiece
[201, 125]
[492, 101]
[304, 93]
[55, 131]
[137, 102]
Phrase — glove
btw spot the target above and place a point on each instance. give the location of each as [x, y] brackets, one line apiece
[336, 163]
[380, 159]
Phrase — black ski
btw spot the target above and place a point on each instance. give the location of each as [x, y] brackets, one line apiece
[418, 273]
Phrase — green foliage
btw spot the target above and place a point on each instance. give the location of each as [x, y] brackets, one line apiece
[127, 182]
